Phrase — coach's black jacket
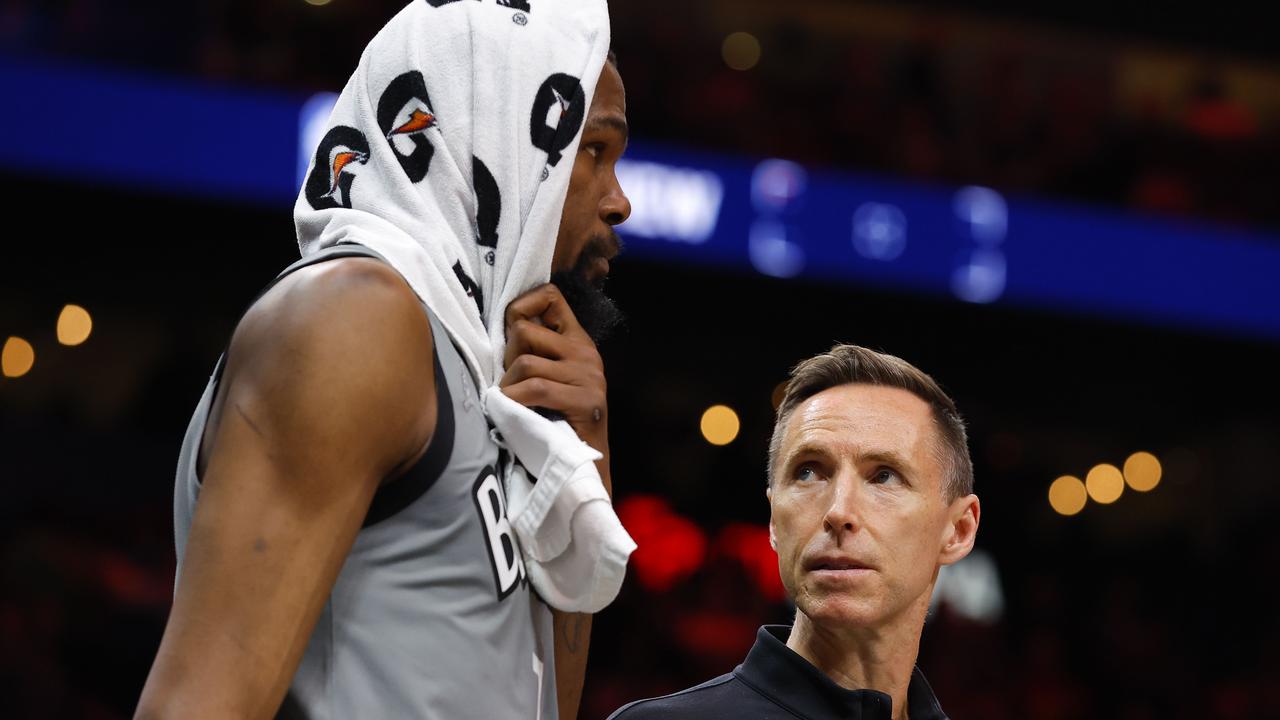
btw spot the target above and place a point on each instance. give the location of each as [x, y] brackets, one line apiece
[774, 683]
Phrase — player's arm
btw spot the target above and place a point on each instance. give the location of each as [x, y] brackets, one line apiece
[552, 363]
[328, 390]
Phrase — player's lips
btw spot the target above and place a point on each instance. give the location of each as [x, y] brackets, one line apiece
[599, 271]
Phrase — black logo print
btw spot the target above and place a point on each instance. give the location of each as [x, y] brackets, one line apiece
[473, 290]
[329, 184]
[488, 204]
[513, 4]
[563, 93]
[404, 110]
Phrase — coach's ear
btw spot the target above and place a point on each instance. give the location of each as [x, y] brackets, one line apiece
[961, 530]
[773, 537]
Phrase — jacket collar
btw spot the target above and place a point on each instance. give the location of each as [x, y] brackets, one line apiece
[776, 671]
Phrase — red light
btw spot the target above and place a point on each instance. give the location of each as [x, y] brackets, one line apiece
[716, 636]
[670, 547]
[749, 545]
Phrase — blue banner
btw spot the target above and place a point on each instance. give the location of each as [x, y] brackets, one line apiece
[150, 133]
[772, 216]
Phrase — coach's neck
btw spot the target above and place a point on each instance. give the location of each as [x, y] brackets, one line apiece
[865, 658]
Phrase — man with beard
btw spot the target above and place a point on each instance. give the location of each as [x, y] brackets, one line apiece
[343, 534]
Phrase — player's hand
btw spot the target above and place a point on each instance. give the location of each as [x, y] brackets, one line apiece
[552, 363]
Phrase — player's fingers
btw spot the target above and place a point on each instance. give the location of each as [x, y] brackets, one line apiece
[541, 392]
[559, 317]
[525, 337]
[532, 304]
[529, 365]
[585, 408]
[547, 305]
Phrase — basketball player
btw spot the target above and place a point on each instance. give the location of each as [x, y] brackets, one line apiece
[338, 553]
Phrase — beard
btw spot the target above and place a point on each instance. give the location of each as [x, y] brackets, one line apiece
[596, 312]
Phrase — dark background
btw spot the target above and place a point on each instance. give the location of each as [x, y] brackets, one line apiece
[1157, 606]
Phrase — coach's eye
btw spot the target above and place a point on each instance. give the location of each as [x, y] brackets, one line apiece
[885, 475]
[805, 473]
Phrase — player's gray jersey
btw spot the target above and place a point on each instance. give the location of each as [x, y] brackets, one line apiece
[432, 615]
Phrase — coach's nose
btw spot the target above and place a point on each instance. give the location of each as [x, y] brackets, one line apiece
[843, 505]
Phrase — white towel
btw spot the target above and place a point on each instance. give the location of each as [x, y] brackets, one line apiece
[449, 153]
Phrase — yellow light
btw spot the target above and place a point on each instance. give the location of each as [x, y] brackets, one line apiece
[741, 51]
[1142, 471]
[720, 425]
[1067, 495]
[74, 325]
[1105, 484]
[779, 393]
[317, 3]
[17, 357]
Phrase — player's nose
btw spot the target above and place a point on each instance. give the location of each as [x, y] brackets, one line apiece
[615, 206]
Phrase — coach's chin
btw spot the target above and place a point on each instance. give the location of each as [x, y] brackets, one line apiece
[871, 493]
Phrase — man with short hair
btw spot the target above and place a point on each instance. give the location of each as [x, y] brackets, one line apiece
[350, 539]
[871, 492]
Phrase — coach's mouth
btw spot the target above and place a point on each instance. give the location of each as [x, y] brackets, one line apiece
[835, 563]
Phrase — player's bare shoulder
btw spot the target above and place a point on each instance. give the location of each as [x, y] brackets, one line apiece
[333, 353]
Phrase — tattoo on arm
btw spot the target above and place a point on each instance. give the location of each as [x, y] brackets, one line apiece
[571, 631]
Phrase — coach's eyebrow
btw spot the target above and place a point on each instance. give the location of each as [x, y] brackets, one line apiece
[806, 451]
[889, 457]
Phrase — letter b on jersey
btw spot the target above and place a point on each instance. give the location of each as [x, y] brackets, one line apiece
[504, 553]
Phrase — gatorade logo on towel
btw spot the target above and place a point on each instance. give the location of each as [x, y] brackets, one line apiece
[333, 172]
[405, 116]
[558, 111]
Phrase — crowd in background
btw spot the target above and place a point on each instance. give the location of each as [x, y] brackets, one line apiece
[1021, 113]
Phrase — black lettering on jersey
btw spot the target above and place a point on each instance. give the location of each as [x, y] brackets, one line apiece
[513, 4]
[340, 152]
[561, 97]
[473, 290]
[499, 538]
[404, 111]
[488, 204]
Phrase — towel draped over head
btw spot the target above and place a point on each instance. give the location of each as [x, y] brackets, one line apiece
[449, 153]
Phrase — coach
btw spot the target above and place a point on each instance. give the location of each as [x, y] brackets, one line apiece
[870, 492]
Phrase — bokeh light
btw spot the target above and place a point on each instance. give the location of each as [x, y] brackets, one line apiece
[74, 325]
[17, 358]
[741, 51]
[1067, 495]
[1142, 471]
[779, 393]
[720, 425]
[1105, 484]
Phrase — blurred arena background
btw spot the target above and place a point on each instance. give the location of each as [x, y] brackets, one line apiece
[1067, 212]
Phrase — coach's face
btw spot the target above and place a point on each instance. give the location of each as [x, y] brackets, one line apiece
[859, 518]
[595, 203]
